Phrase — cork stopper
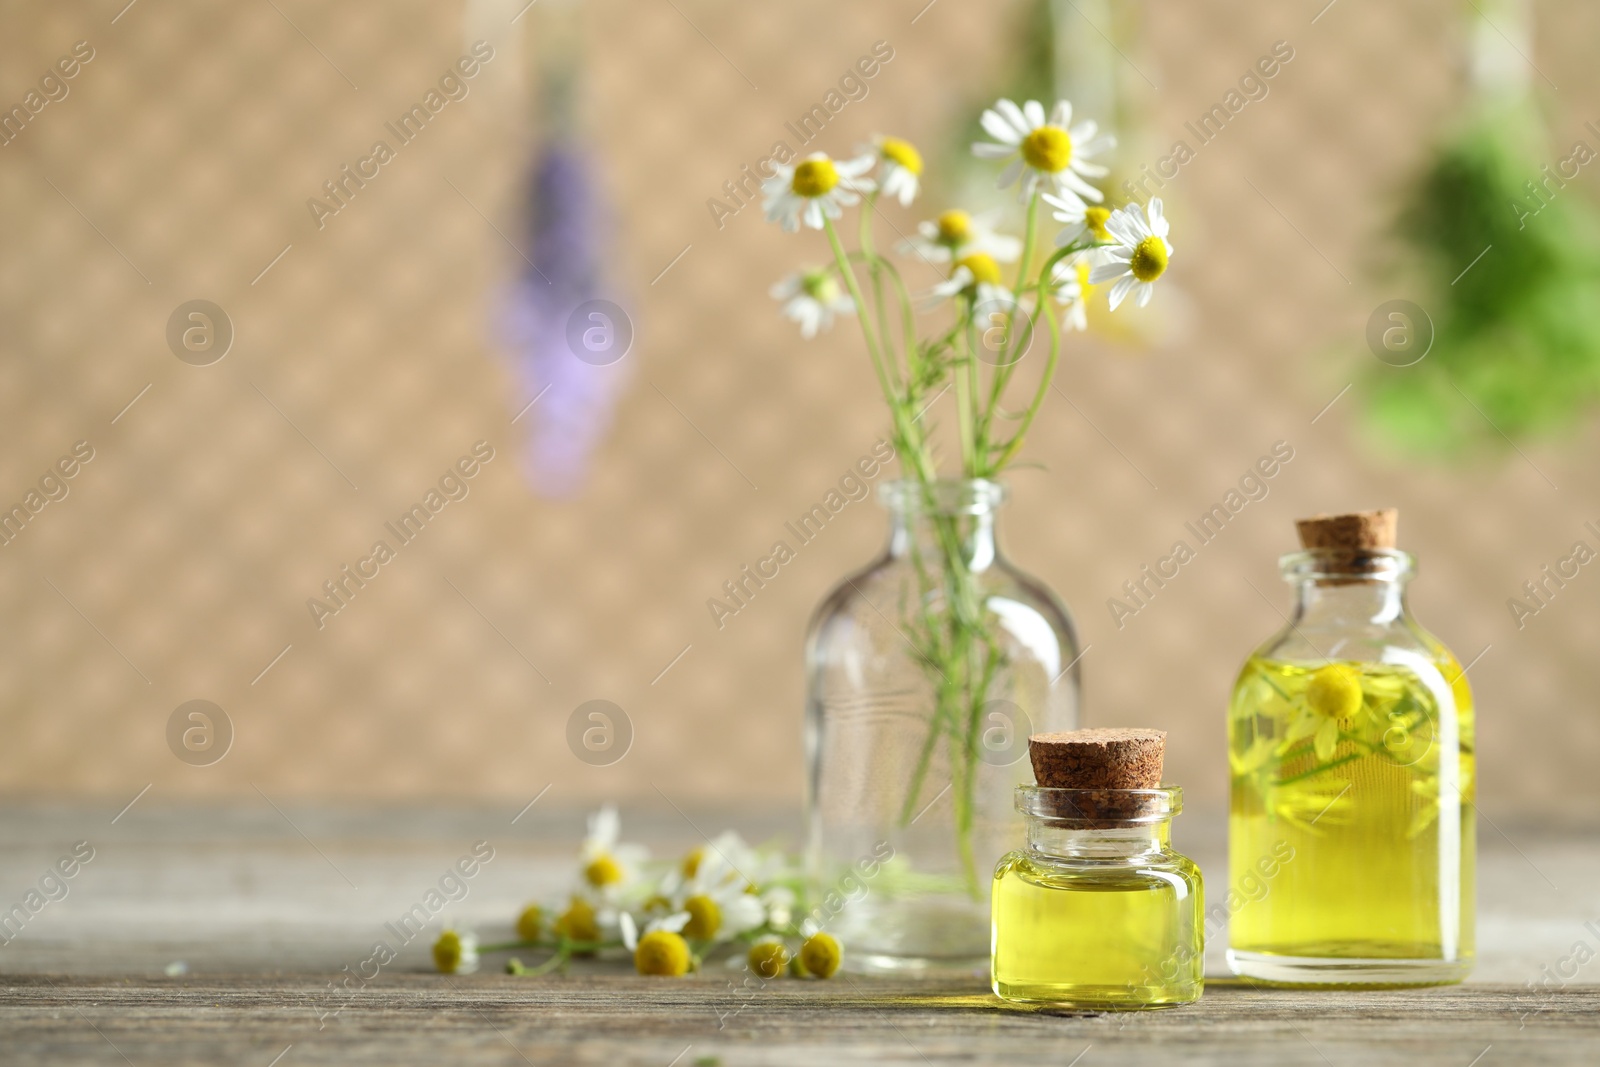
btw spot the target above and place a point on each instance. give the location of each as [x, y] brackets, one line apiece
[1098, 759]
[1356, 531]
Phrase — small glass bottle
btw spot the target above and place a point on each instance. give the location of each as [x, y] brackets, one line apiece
[1351, 834]
[1097, 911]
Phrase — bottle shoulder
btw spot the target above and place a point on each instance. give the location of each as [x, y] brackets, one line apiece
[1400, 641]
[891, 586]
[1143, 870]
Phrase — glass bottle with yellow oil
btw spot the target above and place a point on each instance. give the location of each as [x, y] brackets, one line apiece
[1350, 745]
[1098, 911]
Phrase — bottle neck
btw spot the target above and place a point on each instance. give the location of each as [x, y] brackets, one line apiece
[945, 519]
[913, 533]
[1050, 838]
[1372, 601]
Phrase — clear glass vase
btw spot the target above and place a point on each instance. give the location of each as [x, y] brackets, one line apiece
[926, 672]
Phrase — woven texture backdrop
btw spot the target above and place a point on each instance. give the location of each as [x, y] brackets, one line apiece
[362, 367]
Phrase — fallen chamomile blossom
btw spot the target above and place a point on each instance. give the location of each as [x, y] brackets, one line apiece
[724, 897]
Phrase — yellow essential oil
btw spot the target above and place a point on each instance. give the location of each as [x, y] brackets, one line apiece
[1099, 914]
[1353, 777]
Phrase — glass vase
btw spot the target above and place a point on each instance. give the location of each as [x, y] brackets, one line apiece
[926, 671]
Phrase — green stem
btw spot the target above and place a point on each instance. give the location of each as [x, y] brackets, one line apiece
[1015, 443]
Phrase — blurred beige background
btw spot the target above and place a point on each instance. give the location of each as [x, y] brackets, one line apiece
[178, 566]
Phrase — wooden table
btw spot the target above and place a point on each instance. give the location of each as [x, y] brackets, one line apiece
[217, 937]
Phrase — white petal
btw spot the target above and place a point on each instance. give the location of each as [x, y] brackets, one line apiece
[1013, 114]
[1146, 291]
[1105, 272]
[1158, 219]
[1009, 175]
[986, 150]
[1068, 180]
[1123, 224]
[811, 214]
[1071, 208]
[1070, 234]
[1120, 290]
[673, 923]
[1002, 247]
[852, 168]
[741, 914]
[1033, 111]
[1061, 114]
[999, 128]
[630, 932]
[786, 288]
[1089, 170]
[1093, 146]
[605, 826]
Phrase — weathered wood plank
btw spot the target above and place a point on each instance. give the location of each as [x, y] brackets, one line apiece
[265, 920]
[617, 1019]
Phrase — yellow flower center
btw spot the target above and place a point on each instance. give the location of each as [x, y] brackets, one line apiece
[658, 903]
[821, 287]
[602, 871]
[985, 271]
[662, 952]
[768, 958]
[902, 152]
[530, 922]
[814, 177]
[1049, 148]
[705, 918]
[447, 952]
[691, 862]
[955, 228]
[820, 955]
[1149, 260]
[1085, 290]
[1335, 691]
[579, 923]
[1095, 218]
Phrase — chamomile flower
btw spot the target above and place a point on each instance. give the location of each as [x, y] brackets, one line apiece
[661, 949]
[975, 277]
[1083, 221]
[955, 233]
[530, 924]
[767, 957]
[717, 900]
[816, 188]
[1069, 284]
[456, 953]
[812, 298]
[820, 954]
[608, 866]
[899, 168]
[1138, 254]
[1047, 150]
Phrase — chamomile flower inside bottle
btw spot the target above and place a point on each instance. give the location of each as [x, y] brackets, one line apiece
[1098, 911]
[1351, 835]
